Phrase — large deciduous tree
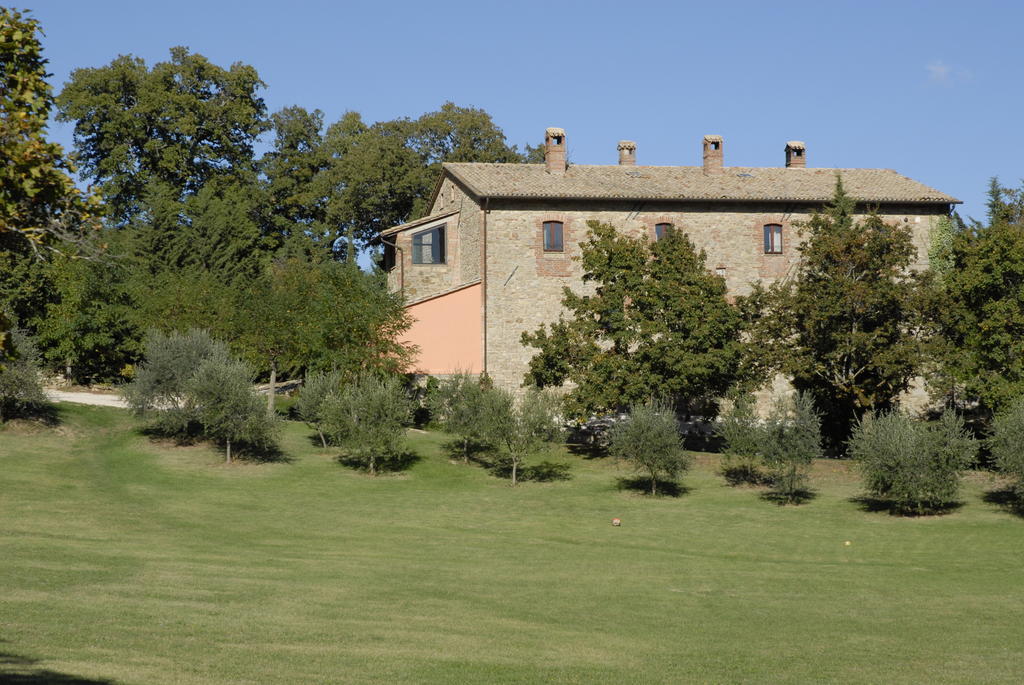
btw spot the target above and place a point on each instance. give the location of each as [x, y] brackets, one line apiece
[657, 325]
[39, 203]
[978, 308]
[844, 327]
[178, 124]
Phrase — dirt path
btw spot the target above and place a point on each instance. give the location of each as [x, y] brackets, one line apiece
[86, 398]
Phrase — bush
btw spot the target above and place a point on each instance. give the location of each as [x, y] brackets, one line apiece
[650, 440]
[912, 465]
[368, 418]
[220, 396]
[743, 434]
[313, 396]
[21, 391]
[792, 439]
[161, 381]
[1007, 444]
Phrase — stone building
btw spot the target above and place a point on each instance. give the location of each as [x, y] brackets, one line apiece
[491, 258]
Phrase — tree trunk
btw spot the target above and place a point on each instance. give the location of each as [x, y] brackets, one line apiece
[465, 451]
[323, 440]
[228, 453]
[654, 483]
[373, 465]
[515, 465]
[273, 387]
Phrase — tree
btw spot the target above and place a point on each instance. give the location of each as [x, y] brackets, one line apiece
[221, 397]
[522, 427]
[658, 323]
[177, 126]
[161, 383]
[39, 203]
[1007, 444]
[978, 310]
[21, 391]
[844, 328]
[90, 330]
[464, 405]
[742, 434]
[318, 388]
[649, 439]
[368, 418]
[792, 439]
[914, 466]
[382, 174]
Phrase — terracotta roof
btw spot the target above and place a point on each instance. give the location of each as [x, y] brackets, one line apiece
[689, 183]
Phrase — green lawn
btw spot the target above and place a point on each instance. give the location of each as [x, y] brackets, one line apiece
[124, 560]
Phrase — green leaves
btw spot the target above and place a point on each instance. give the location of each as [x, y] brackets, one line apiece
[656, 324]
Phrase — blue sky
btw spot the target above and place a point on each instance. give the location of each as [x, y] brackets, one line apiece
[930, 89]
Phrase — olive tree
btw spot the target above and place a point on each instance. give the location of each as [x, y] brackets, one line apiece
[21, 391]
[1007, 443]
[313, 398]
[916, 466]
[461, 404]
[220, 395]
[792, 439]
[650, 440]
[161, 382]
[742, 434]
[368, 418]
[522, 427]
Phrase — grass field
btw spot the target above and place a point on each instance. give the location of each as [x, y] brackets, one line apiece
[128, 561]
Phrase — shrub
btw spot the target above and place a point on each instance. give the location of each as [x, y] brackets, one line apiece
[221, 397]
[368, 418]
[743, 434]
[161, 381]
[1007, 444]
[914, 466]
[792, 439]
[650, 440]
[21, 391]
[313, 396]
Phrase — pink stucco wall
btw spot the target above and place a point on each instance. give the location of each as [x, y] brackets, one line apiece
[447, 331]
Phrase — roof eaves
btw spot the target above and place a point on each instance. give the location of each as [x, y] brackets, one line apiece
[418, 222]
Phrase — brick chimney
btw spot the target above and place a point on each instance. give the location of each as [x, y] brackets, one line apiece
[713, 154]
[554, 150]
[796, 154]
[627, 153]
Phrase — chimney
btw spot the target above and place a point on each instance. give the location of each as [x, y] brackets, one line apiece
[713, 154]
[796, 154]
[627, 153]
[554, 150]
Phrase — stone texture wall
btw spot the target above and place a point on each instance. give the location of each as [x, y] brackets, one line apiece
[524, 284]
[463, 236]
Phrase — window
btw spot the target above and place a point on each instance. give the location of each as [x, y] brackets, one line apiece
[659, 230]
[553, 236]
[773, 239]
[428, 246]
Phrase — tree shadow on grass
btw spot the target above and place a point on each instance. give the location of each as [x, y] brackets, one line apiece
[745, 474]
[666, 488]
[47, 414]
[801, 496]
[543, 472]
[876, 505]
[1006, 499]
[587, 450]
[16, 669]
[394, 464]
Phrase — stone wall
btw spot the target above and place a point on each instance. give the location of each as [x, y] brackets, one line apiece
[524, 284]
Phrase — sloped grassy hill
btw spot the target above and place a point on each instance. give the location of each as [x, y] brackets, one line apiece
[124, 560]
